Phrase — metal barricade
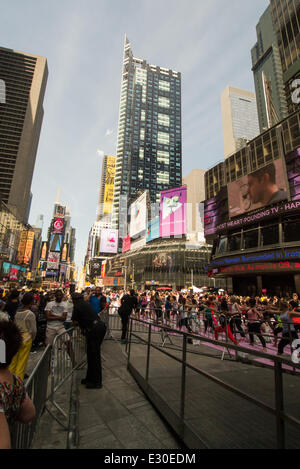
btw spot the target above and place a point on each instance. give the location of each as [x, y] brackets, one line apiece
[22, 435]
[178, 419]
[68, 353]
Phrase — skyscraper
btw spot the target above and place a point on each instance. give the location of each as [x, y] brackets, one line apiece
[286, 21]
[106, 187]
[21, 114]
[267, 73]
[239, 116]
[149, 149]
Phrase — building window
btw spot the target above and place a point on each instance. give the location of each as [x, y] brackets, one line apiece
[250, 239]
[291, 230]
[269, 235]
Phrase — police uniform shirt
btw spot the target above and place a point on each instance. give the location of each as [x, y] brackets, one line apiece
[84, 314]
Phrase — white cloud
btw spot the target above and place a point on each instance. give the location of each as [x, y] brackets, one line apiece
[108, 132]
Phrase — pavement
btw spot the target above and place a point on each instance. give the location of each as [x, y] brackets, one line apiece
[118, 416]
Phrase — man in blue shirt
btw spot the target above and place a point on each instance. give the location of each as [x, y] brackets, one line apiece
[95, 300]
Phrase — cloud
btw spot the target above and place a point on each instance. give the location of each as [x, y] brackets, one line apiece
[100, 153]
[108, 132]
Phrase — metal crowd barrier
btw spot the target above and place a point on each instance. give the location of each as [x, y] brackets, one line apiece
[68, 353]
[280, 417]
[36, 387]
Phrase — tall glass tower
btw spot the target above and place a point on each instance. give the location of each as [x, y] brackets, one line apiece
[149, 147]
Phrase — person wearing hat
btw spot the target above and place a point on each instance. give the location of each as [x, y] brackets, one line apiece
[94, 330]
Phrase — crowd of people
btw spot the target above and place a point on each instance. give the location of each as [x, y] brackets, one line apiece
[32, 319]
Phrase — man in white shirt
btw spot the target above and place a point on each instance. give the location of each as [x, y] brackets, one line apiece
[56, 313]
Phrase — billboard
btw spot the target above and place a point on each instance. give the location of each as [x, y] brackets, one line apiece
[64, 254]
[28, 248]
[22, 246]
[109, 241]
[293, 172]
[53, 260]
[59, 211]
[109, 184]
[103, 269]
[153, 229]
[173, 212]
[56, 241]
[138, 216]
[44, 251]
[263, 187]
[58, 225]
[126, 244]
[13, 274]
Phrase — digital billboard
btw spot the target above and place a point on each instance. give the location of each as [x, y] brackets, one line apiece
[126, 244]
[13, 274]
[109, 241]
[138, 216]
[64, 254]
[293, 172]
[109, 184]
[53, 260]
[22, 246]
[58, 225]
[153, 229]
[173, 212]
[56, 241]
[28, 248]
[215, 212]
[44, 251]
[263, 187]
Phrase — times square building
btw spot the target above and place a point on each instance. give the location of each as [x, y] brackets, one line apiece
[256, 239]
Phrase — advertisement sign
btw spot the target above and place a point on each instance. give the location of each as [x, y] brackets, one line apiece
[126, 244]
[59, 211]
[53, 260]
[28, 248]
[103, 269]
[153, 229]
[138, 216]
[6, 268]
[95, 266]
[288, 207]
[56, 241]
[263, 187]
[58, 225]
[44, 251]
[286, 266]
[64, 254]
[173, 212]
[109, 184]
[293, 171]
[22, 246]
[13, 274]
[109, 241]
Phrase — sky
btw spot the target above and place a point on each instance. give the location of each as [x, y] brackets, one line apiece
[209, 42]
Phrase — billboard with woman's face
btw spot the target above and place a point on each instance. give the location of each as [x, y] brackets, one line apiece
[263, 187]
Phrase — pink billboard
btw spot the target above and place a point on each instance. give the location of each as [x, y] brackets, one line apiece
[109, 241]
[126, 244]
[173, 212]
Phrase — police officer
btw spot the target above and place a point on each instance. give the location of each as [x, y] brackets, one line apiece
[128, 303]
[94, 330]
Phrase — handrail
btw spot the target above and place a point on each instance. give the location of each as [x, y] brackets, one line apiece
[277, 411]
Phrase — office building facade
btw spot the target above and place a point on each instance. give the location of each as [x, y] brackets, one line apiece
[267, 74]
[21, 115]
[256, 236]
[239, 118]
[286, 23]
[149, 146]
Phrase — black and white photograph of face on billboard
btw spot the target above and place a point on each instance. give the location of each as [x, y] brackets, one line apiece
[263, 187]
